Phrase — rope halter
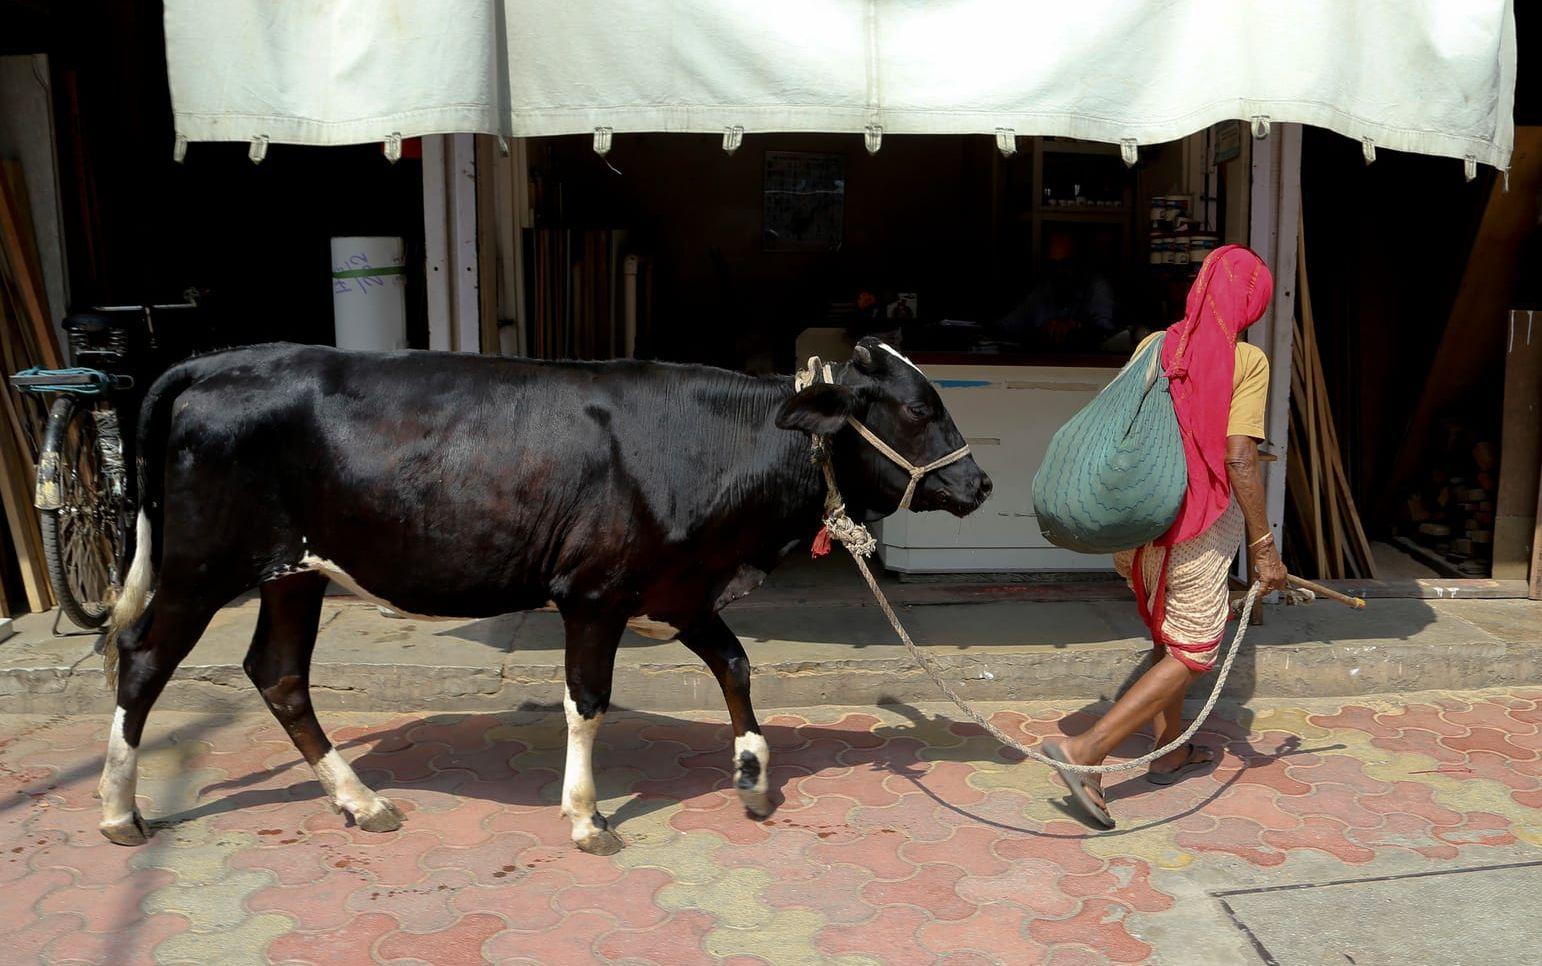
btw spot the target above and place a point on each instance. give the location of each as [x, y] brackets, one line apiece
[854, 536]
[916, 472]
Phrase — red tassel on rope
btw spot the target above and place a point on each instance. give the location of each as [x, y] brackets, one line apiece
[821, 543]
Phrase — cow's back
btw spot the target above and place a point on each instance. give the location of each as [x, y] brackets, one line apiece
[464, 485]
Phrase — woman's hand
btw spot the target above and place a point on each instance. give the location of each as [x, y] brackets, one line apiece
[1247, 488]
[1268, 568]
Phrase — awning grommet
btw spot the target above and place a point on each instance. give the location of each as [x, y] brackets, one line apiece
[1006, 141]
[733, 137]
[1368, 150]
[1260, 124]
[602, 140]
[179, 149]
[258, 150]
[393, 147]
[1129, 151]
[1470, 167]
[873, 138]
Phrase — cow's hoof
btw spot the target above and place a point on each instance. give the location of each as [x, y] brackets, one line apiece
[602, 841]
[127, 831]
[757, 803]
[383, 816]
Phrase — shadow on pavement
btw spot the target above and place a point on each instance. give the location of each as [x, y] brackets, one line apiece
[653, 761]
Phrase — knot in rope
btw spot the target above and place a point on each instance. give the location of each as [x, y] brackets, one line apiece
[838, 526]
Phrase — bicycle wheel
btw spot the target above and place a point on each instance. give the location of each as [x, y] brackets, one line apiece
[83, 534]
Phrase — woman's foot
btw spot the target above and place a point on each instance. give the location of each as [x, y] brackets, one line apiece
[1086, 789]
[1180, 763]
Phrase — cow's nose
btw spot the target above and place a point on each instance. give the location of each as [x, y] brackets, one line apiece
[985, 487]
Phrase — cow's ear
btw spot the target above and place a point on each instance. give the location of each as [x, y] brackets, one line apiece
[821, 409]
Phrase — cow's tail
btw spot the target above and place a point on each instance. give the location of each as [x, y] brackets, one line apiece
[154, 427]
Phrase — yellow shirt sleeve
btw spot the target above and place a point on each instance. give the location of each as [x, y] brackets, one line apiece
[1249, 389]
[1249, 392]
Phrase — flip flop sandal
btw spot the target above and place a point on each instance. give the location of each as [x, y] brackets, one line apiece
[1189, 767]
[1078, 787]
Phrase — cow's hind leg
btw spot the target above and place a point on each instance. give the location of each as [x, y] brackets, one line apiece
[712, 641]
[279, 663]
[149, 650]
[591, 659]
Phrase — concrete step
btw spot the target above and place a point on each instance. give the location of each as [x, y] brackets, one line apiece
[814, 648]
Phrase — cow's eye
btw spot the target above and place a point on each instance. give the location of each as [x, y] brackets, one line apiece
[917, 412]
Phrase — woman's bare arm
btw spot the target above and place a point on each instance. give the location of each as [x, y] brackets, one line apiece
[1247, 487]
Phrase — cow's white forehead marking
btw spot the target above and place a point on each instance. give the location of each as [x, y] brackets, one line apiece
[896, 354]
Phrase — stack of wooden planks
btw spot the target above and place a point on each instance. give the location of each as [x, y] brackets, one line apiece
[576, 294]
[1328, 541]
[26, 339]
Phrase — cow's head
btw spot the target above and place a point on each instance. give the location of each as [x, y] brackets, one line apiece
[885, 392]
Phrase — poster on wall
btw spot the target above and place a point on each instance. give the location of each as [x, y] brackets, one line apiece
[804, 198]
[1228, 141]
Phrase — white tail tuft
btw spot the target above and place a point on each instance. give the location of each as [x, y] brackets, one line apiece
[136, 589]
[135, 595]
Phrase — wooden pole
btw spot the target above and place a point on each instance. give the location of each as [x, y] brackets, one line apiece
[487, 164]
[1535, 589]
[16, 495]
[20, 256]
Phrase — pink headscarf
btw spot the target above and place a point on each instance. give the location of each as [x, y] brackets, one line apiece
[1199, 355]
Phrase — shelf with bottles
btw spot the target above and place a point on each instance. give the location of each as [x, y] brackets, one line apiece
[1180, 252]
[1076, 213]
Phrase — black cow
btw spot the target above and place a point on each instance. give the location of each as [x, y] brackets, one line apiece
[467, 486]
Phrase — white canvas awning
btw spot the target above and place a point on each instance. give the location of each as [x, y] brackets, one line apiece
[1430, 76]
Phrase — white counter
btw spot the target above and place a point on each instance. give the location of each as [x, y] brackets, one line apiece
[1007, 414]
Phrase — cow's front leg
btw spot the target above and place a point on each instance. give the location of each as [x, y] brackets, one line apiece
[590, 658]
[712, 641]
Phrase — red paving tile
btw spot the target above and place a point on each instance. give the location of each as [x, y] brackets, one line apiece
[933, 887]
[893, 932]
[893, 840]
[352, 942]
[146, 932]
[994, 931]
[454, 946]
[572, 940]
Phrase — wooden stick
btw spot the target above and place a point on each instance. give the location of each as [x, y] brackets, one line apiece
[1326, 451]
[1358, 603]
[1534, 582]
[1352, 550]
[1314, 470]
[19, 251]
[1360, 549]
[16, 497]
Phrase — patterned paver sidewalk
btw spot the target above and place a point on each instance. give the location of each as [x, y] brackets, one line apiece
[904, 837]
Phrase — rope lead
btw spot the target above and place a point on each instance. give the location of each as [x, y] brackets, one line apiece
[860, 544]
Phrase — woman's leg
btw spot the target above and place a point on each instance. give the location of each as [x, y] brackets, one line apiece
[1159, 689]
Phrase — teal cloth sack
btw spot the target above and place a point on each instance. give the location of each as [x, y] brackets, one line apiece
[1114, 476]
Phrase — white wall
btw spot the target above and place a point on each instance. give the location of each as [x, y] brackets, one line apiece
[26, 135]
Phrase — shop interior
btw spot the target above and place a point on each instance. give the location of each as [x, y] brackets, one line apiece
[1059, 254]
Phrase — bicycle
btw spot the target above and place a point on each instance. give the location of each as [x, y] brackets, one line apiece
[84, 494]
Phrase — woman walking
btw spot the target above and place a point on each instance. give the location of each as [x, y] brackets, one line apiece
[1220, 387]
